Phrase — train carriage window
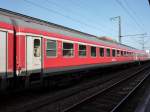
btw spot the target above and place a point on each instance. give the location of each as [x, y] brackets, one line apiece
[121, 53]
[101, 52]
[37, 49]
[51, 49]
[133, 54]
[93, 51]
[82, 50]
[127, 53]
[124, 53]
[113, 52]
[68, 49]
[108, 52]
[118, 53]
[130, 54]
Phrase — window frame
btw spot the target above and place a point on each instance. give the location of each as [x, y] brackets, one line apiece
[124, 53]
[118, 53]
[121, 53]
[107, 52]
[91, 52]
[63, 49]
[34, 36]
[38, 48]
[113, 52]
[82, 50]
[50, 49]
[100, 51]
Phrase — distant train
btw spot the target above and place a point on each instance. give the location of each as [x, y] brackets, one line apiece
[33, 47]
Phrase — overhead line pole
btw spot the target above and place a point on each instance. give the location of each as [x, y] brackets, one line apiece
[119, 32]
[119, 19]
[143, 45]
[119, 26]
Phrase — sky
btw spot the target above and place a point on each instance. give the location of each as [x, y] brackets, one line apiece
[92, 16]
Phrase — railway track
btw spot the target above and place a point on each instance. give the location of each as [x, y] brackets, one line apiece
[111, 98]
[66, 99]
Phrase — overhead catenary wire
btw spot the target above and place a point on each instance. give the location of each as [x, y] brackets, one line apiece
[59, 13]
[138, 18]
[130, 15]
[75, 13]
[135, 14]
[142, 40]
[83, 5]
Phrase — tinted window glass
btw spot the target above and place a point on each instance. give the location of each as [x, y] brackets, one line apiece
[121, 53]
[118, 53]
[108, 52]
[93, 51]
[68, 49]
[101, 52]
[37, 48]
[113, 53]
[51, 48]
[82, 50]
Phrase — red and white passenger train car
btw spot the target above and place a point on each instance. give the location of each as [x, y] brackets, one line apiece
[29, 46]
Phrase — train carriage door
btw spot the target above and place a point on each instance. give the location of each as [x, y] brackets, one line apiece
[3, 54]
[34, 55]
